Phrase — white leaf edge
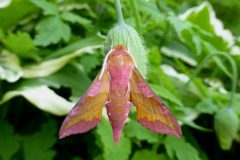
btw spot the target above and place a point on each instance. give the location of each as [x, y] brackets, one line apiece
[10, 68]
[5, 3]
[170, 71]
[178, 54]
[51, 66]
[225, 34]
[43, 98]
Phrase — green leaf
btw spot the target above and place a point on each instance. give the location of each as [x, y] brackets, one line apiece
[10, 69]
[146, 155]
[136, 130]
[10, 142]
[74, 18]
[38, 146]
[71, 76]
[222, 66]
[1, 33]
[154, 56]
[111, 151]
[85, 44]
[187, 117]
[192, 124]
[206, 106]
[94, 60]
[51, 66]
[207, 37]
[149, 8]
[51, 30]
[157, 75]
[177, 50]
[20, 44]
[198, 44]
[184, 30]
[164, 93]
[49, 7]
[42, 97]
[46, 68]
[205, 13]
[17, 11]
[180, 148]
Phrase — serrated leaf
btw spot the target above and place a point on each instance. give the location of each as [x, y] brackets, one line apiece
[10, 69]
[49, 7]
[207, 37]
[38, 146]
[15, 12]
[135, 130]
[74, 18]
[111, 151]
[42, 97]
[51, 30]
[20, 44]
[205, 13]
[10, 142]
[93, 59]
[184, 30]
[180, 148]
[146, 155]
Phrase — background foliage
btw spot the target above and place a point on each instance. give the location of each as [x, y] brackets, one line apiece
[50, 51]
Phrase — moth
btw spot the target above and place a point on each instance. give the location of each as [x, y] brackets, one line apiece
[118, 86]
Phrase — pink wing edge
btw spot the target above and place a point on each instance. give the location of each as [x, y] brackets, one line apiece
[83, 126]
[171, 127]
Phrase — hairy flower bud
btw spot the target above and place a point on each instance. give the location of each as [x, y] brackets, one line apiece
[127, 36]
[226, 126]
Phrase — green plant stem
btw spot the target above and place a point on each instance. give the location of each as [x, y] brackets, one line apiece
[234, 72]
[119, 12]
[136, 15]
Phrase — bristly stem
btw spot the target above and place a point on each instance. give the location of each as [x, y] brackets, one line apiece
[136, 15]
[119, 12]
